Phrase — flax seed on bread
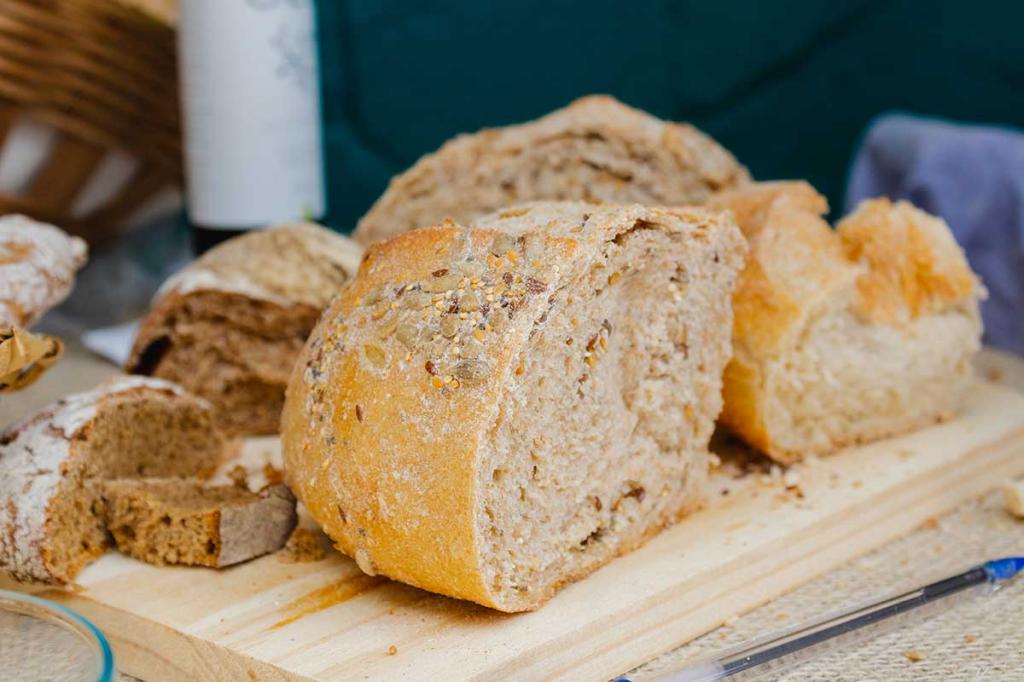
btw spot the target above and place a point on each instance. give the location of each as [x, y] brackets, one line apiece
[495, 411]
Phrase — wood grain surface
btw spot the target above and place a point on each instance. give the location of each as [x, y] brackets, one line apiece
[270, 619]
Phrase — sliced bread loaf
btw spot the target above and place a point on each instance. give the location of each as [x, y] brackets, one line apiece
[52, 464]
[229, 326]
[596, 149]
[176, 521]
[844, 336]
[491, 413]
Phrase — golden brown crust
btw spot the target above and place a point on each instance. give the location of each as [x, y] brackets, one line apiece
[365, 407]
[890, 263]
[743, 403]
[795, 262]
[381, 444]
[914, 267]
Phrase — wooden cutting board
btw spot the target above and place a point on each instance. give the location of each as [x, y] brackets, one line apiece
[269, 619]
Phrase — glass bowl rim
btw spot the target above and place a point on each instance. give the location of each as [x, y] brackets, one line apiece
[64, 613]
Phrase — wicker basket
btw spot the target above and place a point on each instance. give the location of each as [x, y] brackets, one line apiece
[103, 76]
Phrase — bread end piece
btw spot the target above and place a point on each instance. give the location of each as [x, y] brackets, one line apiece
[493, 412]
[51, 465]
[843, 337]
[179, 522]
[229, 326]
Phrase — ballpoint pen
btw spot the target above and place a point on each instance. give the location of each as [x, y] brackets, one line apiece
[779, 651]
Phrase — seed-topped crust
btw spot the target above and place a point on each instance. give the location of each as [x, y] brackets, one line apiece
[402, 379]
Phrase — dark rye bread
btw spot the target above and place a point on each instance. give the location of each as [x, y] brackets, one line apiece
[229, 326]
[52, 465]
[176, 521]
[596, 149]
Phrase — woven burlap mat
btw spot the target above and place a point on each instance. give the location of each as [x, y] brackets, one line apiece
[979, 639]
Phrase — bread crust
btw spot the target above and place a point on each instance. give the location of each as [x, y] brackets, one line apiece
[889, 264]
[381, 445]
[37, 268]
[179, 521]
[595, 149]
[37, 457]
[266, 289]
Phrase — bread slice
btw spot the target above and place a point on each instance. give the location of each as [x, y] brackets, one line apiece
[493, 412]
[51, 463]
[177, 521]
[229, 326]
[844, 336]
[596, 149]
[37, 268]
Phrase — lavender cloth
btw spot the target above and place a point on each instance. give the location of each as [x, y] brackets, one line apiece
[973, 176]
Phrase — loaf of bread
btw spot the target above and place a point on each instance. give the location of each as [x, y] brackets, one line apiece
[38, 263]
[596, 149]
[495, 411]
[229, 326]
[175, 521]
[53, 463]
[844, 336]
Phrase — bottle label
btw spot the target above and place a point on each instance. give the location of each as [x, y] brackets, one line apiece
[251, 112]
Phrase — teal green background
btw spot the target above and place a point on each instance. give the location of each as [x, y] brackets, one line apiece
[788, 86]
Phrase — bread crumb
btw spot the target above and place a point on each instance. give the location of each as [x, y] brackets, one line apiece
[969, 638]
[1013, 498]
[239, 476]
[392, 650]
[913, 655]
[930, 523]
[304, 546]
[994, 374]
[905, 454]
[858, 484]
[272, 474]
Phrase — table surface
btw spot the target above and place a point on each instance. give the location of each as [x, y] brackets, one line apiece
[981, 639]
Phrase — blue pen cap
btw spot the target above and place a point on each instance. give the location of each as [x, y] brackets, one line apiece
[1004, 569]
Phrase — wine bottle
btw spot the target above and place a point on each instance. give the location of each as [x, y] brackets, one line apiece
[250, 114]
